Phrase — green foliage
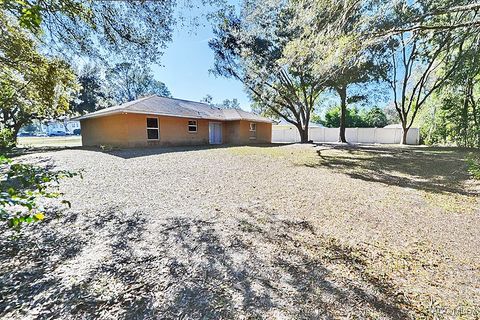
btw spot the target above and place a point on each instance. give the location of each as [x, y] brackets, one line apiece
[473, 162]
[422, 60]
[21, 190]
[373, 118]
[128, 81]
[336, 47]
[97, 29]
[316, 118]
[32, 86]
[7, 139]
[92, 94]
[226, 104]
[250, 46]
[229, 104]
[452, 116]
[391, 114]
[29, 15]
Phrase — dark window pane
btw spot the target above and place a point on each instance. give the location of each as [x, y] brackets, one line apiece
[192, 123]
[152, 134]
[152, 123]
[192, 128]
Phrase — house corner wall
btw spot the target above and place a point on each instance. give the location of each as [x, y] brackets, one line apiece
[238, 132]
[108, 130]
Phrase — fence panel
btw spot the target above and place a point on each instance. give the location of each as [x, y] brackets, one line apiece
[353, 135]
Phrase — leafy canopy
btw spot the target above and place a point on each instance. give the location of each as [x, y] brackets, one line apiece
[98, 29]
[32, 86]
[249, 47]
[128, 81]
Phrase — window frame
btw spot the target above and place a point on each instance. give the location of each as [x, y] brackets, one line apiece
[153, 128]
[189, 125]
[253, 132]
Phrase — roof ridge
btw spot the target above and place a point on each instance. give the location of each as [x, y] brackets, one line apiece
[185, 100]
[156, 104]
[134, 102]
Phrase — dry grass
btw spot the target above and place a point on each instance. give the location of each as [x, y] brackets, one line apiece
[295, 231]
[64, 141]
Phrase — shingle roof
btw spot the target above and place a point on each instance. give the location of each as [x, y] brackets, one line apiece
[177, 108]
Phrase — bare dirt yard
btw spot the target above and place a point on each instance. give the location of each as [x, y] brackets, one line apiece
[270, 232]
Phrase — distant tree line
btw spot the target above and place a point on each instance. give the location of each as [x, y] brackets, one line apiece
[225, 104]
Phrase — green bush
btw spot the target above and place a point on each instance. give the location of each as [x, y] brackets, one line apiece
[7, 139]
[354, 118]
[473, 161]
[21, 188]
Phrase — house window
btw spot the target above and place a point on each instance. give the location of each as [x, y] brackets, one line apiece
[152, 129]
[253, 131]
[192, 125]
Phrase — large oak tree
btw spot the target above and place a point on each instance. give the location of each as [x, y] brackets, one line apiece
[250, 47]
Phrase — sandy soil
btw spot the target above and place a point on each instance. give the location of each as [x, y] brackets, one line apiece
[271, 232]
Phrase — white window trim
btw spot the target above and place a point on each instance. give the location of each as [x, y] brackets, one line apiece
[255, 125]
[196, 126]
[152, 128]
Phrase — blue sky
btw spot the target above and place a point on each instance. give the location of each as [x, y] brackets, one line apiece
[185, 70]
[185, 66]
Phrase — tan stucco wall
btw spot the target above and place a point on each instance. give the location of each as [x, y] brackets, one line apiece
[238, 132]
[129, 130]
[173, 131]
[111, 130]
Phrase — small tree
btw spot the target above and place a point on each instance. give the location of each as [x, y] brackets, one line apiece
[21, 189]
[226, 104]
[353, 118]
[208, 99]
[375, 118]
[415, 72]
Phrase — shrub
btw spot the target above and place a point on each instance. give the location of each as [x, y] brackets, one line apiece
[22, 186]
[7, 139]
[473, 162]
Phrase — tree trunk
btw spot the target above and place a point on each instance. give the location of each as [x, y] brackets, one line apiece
[465, 130]
[342, 92]
[404, 134]
[303, 133]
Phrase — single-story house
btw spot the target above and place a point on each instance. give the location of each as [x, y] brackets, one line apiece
[156, 120]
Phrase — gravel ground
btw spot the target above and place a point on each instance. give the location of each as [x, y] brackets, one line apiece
[272, 232]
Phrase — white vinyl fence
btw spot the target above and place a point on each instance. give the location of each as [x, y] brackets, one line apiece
[354, 135]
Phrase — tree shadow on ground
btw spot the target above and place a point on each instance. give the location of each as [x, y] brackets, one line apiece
[253, 266]
[35, 276]
[130, 153]
[437, 170]
[268, 267]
